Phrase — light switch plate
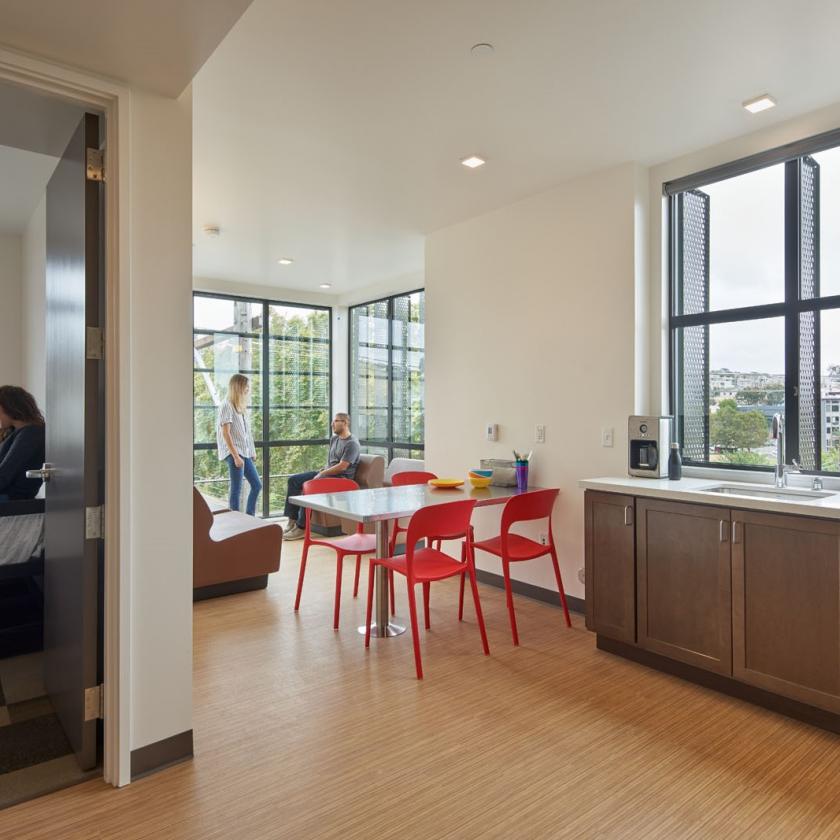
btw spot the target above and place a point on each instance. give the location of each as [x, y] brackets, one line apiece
[539, 434]
[492, 431]
[607, 436]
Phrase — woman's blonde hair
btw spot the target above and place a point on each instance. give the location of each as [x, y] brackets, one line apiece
[236, 392]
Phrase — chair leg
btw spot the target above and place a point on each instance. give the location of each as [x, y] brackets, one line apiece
[339, 569]
[391, 591]
[461, 594]
[509, 599]
[415, 633]
[478, 614]
[560, 586]
[358, 570]
[427, 587]
[369, 603]
[301, 574]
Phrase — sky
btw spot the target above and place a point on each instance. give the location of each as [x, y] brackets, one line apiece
[746, 264]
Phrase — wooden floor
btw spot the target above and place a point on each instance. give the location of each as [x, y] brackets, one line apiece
[300, 733]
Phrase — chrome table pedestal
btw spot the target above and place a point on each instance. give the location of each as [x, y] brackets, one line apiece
[381, 625]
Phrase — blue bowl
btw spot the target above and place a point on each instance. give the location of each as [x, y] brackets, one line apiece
[483, 473]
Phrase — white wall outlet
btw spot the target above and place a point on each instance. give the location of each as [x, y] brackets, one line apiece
[582, 574]
[539, 433]
[492, 431]
[607, 436]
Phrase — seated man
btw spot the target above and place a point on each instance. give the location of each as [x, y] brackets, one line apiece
[341, 463]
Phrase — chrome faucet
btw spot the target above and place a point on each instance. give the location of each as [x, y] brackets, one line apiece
[782, 469]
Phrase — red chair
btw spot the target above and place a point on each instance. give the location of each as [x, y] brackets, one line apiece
[404, 479]
[513, 548]
[358, 543]
[428, 564]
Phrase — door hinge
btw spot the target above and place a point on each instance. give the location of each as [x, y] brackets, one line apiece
[94, 702]
[95, 523]
[95, 342]
[95, 168]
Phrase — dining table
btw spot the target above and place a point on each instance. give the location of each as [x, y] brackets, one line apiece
[383, 505]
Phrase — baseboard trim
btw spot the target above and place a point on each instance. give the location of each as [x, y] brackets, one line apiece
[725, 685]
[230, 587]
[530, 590]
[161, 754]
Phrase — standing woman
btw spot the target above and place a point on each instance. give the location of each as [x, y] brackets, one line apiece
[236, 443]
[22, 445]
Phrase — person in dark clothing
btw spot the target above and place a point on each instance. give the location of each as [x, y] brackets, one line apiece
[22, 443]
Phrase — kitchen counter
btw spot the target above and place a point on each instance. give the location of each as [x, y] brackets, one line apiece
[691, 490]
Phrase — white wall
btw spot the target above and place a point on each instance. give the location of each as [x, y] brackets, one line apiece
[157, 437]
[33, 304]
[530, 319]
[761, 140]
[10, 294]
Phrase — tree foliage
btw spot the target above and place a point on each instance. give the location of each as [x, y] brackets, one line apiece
[731, 429]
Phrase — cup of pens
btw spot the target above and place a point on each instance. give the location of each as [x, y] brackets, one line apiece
[520, 465]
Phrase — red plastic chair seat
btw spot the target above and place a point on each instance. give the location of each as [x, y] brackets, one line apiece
[429, 564]
[519, 547]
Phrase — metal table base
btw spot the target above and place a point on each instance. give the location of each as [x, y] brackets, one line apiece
[381, 625]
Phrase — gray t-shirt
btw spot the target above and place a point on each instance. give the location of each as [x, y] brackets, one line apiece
[346, 449]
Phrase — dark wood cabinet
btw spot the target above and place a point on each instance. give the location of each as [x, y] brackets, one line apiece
[786, 606]
[610, 565]
[684, 582]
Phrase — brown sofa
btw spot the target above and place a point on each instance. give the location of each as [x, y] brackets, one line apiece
[370, 472]
[232, 552]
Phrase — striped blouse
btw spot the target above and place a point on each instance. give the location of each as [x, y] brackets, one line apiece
[240, 432]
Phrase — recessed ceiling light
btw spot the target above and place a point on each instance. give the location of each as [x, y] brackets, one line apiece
[326, 285]
[473, 161]
[285, 261]
[760, 103]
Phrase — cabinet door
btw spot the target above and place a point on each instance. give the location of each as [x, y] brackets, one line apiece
[610, 565]
[786, 606]
[684, 586]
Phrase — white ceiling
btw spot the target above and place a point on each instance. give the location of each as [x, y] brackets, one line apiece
[154, 44]
[332, 132]
[24, 176]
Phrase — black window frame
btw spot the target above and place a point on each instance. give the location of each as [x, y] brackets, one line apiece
[264, 446]
[390, 444]
[793, 305]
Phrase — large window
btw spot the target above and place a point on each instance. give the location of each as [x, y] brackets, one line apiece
[755, 308]
[285, 351]
[386, 375]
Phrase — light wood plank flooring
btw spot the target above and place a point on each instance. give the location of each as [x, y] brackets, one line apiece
[300, 733]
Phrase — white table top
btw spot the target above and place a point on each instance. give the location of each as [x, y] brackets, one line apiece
[375, 505]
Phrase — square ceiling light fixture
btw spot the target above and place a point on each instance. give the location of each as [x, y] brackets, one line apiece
[760, 103]
[473, 161]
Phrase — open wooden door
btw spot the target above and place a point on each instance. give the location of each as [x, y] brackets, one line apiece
[74, 442]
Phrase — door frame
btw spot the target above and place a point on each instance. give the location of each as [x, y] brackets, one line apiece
[113, 100]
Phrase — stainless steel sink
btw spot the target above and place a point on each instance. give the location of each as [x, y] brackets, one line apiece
[787, 494]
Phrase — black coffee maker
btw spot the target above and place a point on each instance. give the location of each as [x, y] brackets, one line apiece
[649, 441]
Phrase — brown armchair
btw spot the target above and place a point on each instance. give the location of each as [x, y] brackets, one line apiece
[232, 552]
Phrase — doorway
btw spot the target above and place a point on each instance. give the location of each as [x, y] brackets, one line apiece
[51, 551]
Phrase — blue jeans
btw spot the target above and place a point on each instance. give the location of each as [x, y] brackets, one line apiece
[250, 472]
[295, 488]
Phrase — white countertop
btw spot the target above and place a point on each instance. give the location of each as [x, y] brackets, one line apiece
[690, 490]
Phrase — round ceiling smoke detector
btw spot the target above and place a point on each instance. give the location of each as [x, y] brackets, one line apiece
[482, 50]
[212, 231]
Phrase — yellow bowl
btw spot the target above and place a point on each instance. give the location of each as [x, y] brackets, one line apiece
[480, 481]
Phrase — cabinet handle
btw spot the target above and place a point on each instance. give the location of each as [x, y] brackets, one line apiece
[736, 534]
[724, 531]
[628, 515]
